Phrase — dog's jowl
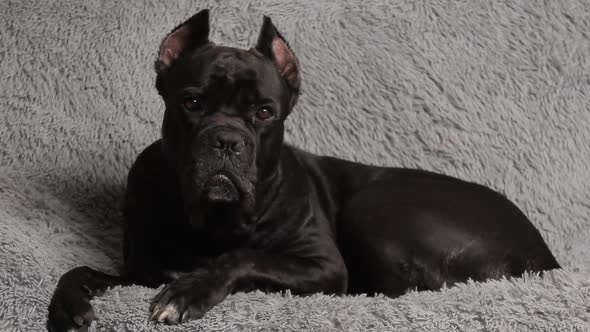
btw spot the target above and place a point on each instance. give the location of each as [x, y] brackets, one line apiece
[220, 204]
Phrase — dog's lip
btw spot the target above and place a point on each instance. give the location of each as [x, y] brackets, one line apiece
[224, 175]
[219, 177]
[220, 188]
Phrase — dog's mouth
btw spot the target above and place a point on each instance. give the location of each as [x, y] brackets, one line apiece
[220, 188]
[211, 187]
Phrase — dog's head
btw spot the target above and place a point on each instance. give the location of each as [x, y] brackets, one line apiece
[225, 108]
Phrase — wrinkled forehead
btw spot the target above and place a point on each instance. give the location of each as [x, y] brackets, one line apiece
[216, 68]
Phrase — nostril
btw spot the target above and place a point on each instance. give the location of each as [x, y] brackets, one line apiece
[218, 143]
[229, 142]
[238, 146]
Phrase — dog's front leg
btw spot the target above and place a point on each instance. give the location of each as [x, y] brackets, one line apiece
[70, 307]
[193, 294]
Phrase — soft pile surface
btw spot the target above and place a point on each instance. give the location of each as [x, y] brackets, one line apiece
[496, 92]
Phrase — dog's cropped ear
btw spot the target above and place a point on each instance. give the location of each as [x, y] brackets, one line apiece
[193, 33]
[272, 44]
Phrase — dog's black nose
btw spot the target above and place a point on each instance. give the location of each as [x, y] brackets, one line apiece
[228, 141]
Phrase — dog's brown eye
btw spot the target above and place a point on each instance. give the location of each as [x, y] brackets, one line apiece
[192, 104]
[264, 113]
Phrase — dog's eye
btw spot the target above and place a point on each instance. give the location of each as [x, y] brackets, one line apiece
[264, 113]
[192, 104]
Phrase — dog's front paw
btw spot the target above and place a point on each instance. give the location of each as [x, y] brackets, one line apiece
[70, 309]
[187, 298]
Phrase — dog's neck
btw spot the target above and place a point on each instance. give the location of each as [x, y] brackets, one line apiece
[266, 192]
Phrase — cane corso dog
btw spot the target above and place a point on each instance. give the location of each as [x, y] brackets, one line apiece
[221, 204]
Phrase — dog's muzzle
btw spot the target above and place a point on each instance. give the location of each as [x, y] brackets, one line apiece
[223, 163]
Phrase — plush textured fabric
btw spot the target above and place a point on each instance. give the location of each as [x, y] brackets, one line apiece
[495, 92]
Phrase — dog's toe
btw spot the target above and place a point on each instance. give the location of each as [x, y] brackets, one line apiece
[193, 312]
[85, 318]
[170, 315]
[60, 320]
[69, 313]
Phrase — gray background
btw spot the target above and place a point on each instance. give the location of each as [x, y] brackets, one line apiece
[495, 92]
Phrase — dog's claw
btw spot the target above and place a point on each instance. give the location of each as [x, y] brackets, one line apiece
[163, 316]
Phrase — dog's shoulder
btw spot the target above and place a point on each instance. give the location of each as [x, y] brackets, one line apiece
[149, 168]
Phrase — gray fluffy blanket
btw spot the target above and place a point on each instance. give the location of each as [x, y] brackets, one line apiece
[496, 92]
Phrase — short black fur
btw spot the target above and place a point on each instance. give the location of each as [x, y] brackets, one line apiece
[220, 204]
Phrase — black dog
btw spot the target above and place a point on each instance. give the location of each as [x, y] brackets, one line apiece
[220, 204]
